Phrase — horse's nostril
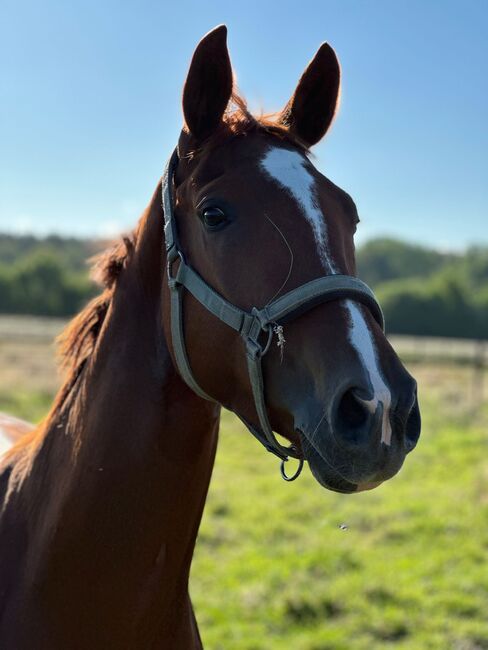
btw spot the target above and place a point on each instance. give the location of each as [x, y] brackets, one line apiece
[412, 427]
[352, 413]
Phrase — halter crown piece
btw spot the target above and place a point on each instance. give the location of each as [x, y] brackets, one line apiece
[255, 327]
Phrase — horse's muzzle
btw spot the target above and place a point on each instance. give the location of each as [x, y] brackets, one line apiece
[350, 450]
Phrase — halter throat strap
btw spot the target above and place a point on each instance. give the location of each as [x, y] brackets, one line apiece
[255, 327]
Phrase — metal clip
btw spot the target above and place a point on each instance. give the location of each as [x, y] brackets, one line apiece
[278, 330]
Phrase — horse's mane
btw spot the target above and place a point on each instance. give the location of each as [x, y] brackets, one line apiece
[78, 340]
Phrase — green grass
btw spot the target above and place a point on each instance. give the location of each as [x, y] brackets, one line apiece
[30, 406]
[273, 568]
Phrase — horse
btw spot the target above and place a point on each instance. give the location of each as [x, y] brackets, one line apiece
[246, 299]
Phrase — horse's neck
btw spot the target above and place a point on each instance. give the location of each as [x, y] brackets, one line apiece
[114, 495]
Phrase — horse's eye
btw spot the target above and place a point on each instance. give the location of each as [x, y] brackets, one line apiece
[213, 218]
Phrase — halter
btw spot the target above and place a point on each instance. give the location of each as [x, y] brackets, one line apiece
[256, 327]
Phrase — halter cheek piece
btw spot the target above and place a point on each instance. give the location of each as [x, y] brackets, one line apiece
[255, 327]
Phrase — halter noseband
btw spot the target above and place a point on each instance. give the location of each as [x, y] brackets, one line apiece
[256, 326]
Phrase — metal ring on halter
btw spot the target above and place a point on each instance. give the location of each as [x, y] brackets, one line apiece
[269, 330]
[173, 256]
[293, 476]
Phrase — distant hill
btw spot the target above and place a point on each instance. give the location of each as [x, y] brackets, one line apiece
[422, 290]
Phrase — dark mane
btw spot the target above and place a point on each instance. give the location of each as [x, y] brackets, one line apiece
[76, 342]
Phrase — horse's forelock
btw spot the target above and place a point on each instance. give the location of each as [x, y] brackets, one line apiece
[238, 120]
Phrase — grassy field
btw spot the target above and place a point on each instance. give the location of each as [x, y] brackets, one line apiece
[292, 565]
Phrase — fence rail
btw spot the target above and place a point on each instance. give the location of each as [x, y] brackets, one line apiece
[426, 348]
[30, 328]
[410, 348]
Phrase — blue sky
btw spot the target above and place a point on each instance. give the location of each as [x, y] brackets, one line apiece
[90, 106]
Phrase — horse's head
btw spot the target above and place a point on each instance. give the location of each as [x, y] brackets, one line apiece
[256, 219]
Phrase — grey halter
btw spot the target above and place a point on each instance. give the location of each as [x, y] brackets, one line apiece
[255, 327]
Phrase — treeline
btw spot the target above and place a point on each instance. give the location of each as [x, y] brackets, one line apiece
[426, 292]
[422, 291]
[45, 277]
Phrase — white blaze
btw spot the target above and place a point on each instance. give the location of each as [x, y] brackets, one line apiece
[289, 169]
[361, 339]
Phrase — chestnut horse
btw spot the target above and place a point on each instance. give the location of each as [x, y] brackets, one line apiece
[249, 298]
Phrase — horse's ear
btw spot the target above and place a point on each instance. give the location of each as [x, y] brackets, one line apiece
[310, 111]
[208, 86]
